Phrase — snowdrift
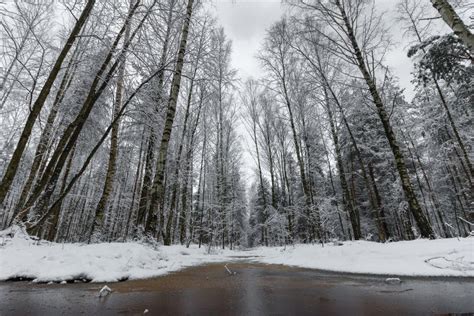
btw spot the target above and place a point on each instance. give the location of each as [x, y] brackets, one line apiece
[442, 257]
[24, 258]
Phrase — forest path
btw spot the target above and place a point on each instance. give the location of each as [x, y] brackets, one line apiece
[241, 288]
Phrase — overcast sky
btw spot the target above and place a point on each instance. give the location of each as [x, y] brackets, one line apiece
[245, 23]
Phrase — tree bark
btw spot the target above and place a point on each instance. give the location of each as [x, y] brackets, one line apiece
[304, 180]
[422, 223]
[377, 207]
[453, 20]
[12, 167]
[53, 226]
[346, 198]
[176, 180]
[98, 222]
[144, 202]
[50, 179]
[42, 148]
[157, 190]
[71, 134]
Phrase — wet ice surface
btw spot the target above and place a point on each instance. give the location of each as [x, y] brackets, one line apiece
[254, 289]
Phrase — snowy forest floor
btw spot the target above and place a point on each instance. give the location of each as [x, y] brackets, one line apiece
[24, 258]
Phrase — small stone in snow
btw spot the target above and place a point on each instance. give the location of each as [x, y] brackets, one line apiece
[105, 291]
[393, 281]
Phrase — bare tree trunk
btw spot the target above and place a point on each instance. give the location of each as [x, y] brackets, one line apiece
[42, 148]
[188, 177]
[136, 185]
[200, 198]
[375, 203]
[470, 172]
[453, 20]
[346, 198]
[72, 140]
[98, 222]
[260, 174]
[71, 134]
[12, 167]
[266, 130]
[184, 196]
[187, 114]
[176, 180]
[333, 187]
[422, 223]
[144, 202]
[158, 188]
[304, 180]
[53, 226]
[457, 194]
[352, 190]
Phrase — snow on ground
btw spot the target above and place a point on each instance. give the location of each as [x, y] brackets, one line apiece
[441, 257]
[22, 257]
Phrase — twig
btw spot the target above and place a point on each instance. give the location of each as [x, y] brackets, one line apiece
[228, 270]
[432, 18]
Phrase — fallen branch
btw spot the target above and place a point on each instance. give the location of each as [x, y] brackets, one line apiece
[228, 270]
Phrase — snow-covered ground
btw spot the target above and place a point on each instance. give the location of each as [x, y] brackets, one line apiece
[441, 257]
[21, 257]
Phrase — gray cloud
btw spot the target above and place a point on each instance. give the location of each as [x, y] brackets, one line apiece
[245, 23]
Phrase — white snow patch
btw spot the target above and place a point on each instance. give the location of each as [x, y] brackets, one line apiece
[422, 257]
[22, 257]
[393, 281]
[105, 291]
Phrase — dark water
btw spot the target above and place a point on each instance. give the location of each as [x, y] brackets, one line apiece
[254, 289]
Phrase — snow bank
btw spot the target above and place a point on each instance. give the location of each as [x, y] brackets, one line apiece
[441, 257]
[22, 257]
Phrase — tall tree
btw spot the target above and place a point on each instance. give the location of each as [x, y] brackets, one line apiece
[453, 20]
[157, 190]
[114, 142]
[11, 169]
[343, 17]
